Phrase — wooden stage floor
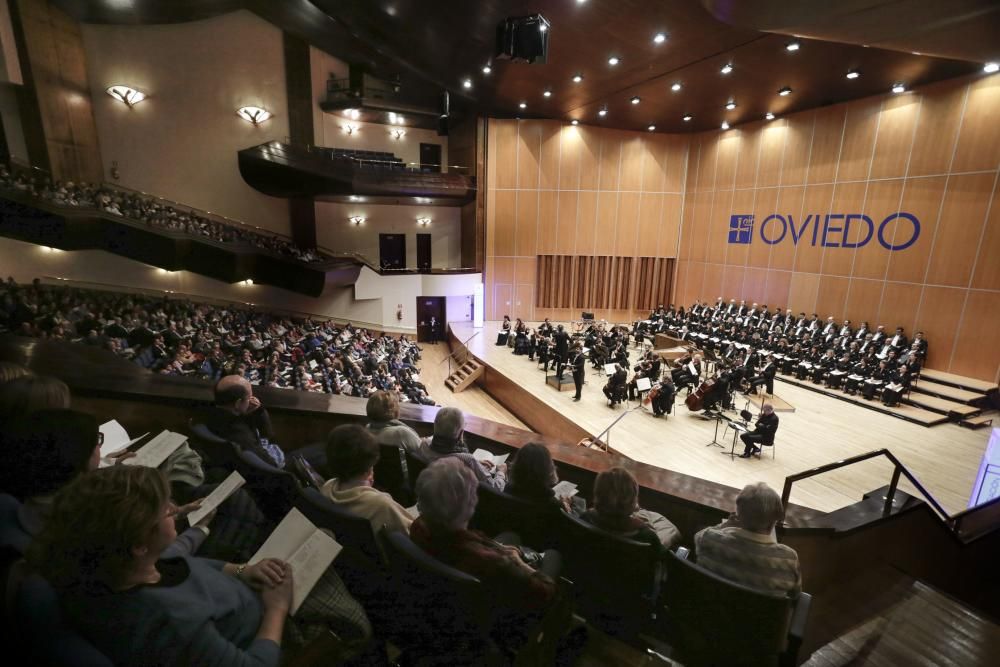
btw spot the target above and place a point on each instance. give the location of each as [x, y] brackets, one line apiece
[821, 430]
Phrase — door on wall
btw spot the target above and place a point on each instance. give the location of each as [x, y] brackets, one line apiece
[430, 157]
[430, 318]
[424, 252]
[392, 251]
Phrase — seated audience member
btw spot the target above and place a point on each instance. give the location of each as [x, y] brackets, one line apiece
[351, 455]
[31, 393]
[532, 476]
[11, 371]
[137, 603]
[446, 498]
[239, 417]
[383, 414]
[616, 510]
[744, 548]
[447, 441]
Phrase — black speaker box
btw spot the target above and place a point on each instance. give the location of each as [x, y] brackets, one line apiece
[524, 38]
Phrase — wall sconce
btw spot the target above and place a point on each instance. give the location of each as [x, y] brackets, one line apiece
[353, 114]
[397, 133]
[128, 95]
[423, 222]
[253, 115]
[349, 128]
[356, 219]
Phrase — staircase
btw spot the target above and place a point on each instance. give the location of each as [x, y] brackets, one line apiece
[466, 374]
[959, 398]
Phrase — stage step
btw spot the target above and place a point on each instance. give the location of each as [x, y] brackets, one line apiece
[948, 392]
[868, 509]
[954, 380]
[941, 405]
[979, 421]
[462, 378]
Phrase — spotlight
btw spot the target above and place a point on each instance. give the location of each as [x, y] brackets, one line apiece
[769, 116]
[675, 87]
[659, 38]
[651, 128]
[467, 84]
[853, 74]
[785, 91]
[730, 105]
[635, 100]
[989, 68]
[574, 122]
[727, 68]
[542, 27]
[248, 281]
[349, 128]
[614, 60]
[898, 88]
[792, 46]
[397, 133]
[355, 198]
[603, 112]
[725, 125]
[487, 69]
[547, 93]
[127, 95]
[577, 78]
[523, 105]
[687, 117]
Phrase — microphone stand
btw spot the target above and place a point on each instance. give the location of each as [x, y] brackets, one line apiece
[607, 431]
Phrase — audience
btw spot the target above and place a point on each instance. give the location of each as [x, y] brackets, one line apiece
[744, 549]
[447, 441]
[532, 476]
[382, 409]
[30, 393]
[616, 510]
[238, 416]
[351, 455]
[146, 209]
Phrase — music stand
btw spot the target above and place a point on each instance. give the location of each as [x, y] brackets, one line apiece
[737, 429]
[642, 385]
[607, 369]
[719, 417]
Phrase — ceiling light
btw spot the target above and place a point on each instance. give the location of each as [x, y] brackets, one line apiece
[730, 105]
[725, 125]
[467, 84]
[254, 115]
[423, 221]
[635, 100]
[547, 93]
[353, 114]
[422, 200]
[487, 69]
[400, 120]
[792, 46]
[651, 128]
[898, 88]
[523, 105]
[248, 281]
[126, 94]
[675, 87]
[989, 68]
[727, 68]
[356, 219]
[769, 116]
[785, 91]
[659, 38]
[614, 60]
[853, 74]
[542, 27]
[577, 78]
[574, 122]
[580, 2]
[687, 117]
[603, 112]
[356, 198]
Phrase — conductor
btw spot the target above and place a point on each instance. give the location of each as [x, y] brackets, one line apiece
[763, 433]
[579, 362]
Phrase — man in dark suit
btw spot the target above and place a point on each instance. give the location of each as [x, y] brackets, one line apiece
[765, 376]
[561, 339]
[615, 384]
[579, 362]
[763, 433]
[238, 416]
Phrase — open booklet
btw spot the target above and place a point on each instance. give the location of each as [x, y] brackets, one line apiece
[482, 455]
[227, 488]
[115, 440]
[157, 450]
[309, 551]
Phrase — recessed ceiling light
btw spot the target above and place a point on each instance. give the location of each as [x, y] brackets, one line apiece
[651, 128]
[487, 69]
[542, 27]
[725, 125]
[730, 105]
[635, 100]
[675, 87]
[853, 74]
[577, 78]
[769, 116]
[792, 46]
[687, 117]
[580, 2]
[603, 112]
[785, 91]
[727, 68]
[467, 84]
[523, 105]
[574, 122]
[659, 38]
[898, 88]
[614, 60]
[547, 93]
[989, 68]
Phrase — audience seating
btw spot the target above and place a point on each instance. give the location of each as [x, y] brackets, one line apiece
[274, 490]
[414, 466]
[712, 621]
[497, 512]
[219, 457]
[391, 477]
[353, 532]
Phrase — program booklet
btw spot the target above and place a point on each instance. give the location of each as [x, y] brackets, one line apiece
[115, 440]
[309, 551]
[482, 455]
[227, 488]
[157, 450]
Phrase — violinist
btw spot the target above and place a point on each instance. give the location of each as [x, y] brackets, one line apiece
[688, 373]
[765, 376]
[615, 384]
[642, 370]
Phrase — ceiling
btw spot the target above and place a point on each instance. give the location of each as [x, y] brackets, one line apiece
[436, 45]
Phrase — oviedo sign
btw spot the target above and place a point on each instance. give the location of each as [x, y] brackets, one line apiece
[833, 230]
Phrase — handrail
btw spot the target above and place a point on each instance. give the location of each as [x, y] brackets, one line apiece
[453, 353]
[898, 468]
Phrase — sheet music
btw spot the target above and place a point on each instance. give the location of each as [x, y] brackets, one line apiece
[115, 439]
[484, 455]
[609, 369]
[157, 450]
[227, 488]
[643, 384]
[565, 489]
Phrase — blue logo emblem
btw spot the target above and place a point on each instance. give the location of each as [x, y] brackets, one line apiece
[740, 228]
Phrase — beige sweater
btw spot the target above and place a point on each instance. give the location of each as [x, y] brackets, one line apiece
[378, 507]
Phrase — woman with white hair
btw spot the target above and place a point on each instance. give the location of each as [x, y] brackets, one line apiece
[448, 441]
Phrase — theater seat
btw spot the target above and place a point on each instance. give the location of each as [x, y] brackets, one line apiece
[497, 512]
[391, 474]
[712, 620]
[274, 490]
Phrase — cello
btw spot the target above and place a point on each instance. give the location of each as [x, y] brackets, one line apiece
[695, 400]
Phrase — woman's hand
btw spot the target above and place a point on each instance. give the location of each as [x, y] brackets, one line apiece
[279, 597]
[184, 510]
[268, 573]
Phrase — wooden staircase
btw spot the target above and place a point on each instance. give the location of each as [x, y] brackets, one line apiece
[466, 374]
[959, 398]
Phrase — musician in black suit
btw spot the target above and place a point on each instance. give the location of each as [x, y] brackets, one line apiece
[664, 399]
[763, 433]
[561, 339]
[615, 384]
[578, 362]
[765, 376]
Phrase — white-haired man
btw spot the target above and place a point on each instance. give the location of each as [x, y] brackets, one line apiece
[744, 548]
[763, 433]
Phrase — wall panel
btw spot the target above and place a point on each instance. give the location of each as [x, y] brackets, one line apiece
[963, 215]
[979, 135]
[895, 136]
[828, 135]
[859, 139]
[976, 348]
[900, 304]
[941, 108]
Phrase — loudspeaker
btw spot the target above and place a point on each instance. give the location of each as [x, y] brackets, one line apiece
[524, 38]
[586, 316]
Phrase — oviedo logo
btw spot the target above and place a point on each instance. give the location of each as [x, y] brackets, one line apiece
[833, 230]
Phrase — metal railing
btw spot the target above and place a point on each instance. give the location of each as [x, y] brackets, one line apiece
[463, 348]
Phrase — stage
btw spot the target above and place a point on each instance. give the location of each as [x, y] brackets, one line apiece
[820, 430]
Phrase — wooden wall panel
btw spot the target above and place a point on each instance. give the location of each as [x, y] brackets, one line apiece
[859, 139]
[922, 198]
[938, 317]
[707, 161]
[570, 149]
[817, 201]
[831, 298]
[979, 136]
[505, 153]
[586, 226]
[607, 222]
[503, 296]
[755, 285]
[611, 160]
[788, 203]
[655, 150]
[863, 300]
[711, 284]
[738, 254]
[772, 152]
[976, 348]
[746, 168]
[900, 304]
[987, 274]
[839, 261]
[778, 287]
[828, 134]
[718, 229]
[681, 292]
[670, 220]
[527, 223]
[632, 158]
[696, 281]
[524, 301]
[548, 222]
[725, 167]
[701, 218]
[963, 215]
[504, 222]
[548, 167]
[627, 229]
[650, 226]
[565, 241]
[590, 157]
[895, 136]
[872, 260]
[529, 149]
[732, 281]
[803, 291]
[941, 108]
[798, 144]
[676, 165]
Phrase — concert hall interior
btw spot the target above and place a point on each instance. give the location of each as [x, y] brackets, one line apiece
[563, 332]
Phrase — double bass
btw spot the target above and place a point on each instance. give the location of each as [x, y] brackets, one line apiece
[695, 400]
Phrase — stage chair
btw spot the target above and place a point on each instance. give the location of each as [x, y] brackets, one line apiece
[497, 512]
[713, 621]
